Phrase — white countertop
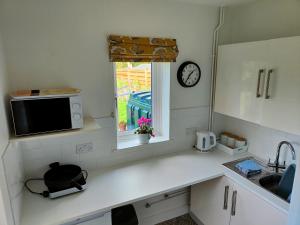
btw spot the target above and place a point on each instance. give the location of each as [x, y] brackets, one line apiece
[113, 187]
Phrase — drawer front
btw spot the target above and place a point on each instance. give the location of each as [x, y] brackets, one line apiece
[98, 219]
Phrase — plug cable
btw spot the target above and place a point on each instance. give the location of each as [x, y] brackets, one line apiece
[45, 194]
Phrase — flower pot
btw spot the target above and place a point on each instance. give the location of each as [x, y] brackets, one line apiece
[122, 126]
[144, 138]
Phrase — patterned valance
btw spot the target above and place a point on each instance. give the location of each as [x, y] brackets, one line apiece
[141, 49]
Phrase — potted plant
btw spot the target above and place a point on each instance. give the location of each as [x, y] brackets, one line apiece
[122, 126]
[144, 131]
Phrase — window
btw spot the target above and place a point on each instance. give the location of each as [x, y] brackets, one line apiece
[142, 89]
[133, 93]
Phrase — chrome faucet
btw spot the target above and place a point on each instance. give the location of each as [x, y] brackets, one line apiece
[276, 163]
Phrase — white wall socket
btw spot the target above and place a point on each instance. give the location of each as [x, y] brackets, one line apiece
[84, 148]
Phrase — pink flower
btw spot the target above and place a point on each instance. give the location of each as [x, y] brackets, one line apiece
[144, 121]
[144, 126]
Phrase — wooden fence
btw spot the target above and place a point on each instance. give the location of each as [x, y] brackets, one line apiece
[134, 80]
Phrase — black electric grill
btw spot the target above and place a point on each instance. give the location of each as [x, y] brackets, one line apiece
[62, 180]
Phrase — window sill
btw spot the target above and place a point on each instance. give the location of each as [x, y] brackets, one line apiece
[134, 142]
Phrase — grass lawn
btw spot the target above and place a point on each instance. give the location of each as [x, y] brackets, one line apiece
[122, 114]
[122, 103]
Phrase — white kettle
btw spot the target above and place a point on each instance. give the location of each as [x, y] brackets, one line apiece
[206, 140]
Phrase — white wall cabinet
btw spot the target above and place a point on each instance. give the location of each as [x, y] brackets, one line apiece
[282, 109]
[259, 82]
[209, 200]
[239, 67]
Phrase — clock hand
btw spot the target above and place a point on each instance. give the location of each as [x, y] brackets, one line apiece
[189, 75]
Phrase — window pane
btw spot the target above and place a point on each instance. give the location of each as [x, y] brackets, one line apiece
[133, 93]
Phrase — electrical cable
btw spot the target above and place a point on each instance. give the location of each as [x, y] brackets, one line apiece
[44, 193]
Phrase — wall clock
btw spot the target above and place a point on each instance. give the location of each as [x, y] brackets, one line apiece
[188, 74]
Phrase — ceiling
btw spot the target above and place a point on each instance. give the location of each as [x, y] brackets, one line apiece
[217, 2]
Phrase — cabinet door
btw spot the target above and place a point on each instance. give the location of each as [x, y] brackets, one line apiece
[252, 210]
[238, 93]
[94, 220]
[281, 108]
[208, 199]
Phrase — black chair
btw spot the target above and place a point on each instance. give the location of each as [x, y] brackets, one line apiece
[124, 215]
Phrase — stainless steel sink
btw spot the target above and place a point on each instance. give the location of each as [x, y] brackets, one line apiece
[267, 179]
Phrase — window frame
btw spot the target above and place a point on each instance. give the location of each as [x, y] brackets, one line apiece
[160, 91]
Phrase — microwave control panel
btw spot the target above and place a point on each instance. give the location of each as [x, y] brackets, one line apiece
[76, 112]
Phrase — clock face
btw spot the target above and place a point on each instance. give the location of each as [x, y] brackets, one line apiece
[188, 74]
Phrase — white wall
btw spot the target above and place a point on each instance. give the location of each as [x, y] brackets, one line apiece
[5, 214]
[261, 20]
[63, 43]
[58, 43]
[4, 134]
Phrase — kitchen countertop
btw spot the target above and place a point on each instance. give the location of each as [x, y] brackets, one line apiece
[139, 180]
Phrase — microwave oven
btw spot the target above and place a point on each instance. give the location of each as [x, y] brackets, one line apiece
[37, 115]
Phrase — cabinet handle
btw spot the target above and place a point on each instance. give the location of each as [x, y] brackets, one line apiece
[233, 205]
[260, 73]
[268, 96]
[225, 204]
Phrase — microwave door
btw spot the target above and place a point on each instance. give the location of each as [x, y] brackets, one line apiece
[20, 116]
[42, 115]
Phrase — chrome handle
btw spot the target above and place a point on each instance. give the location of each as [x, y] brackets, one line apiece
[225, 204]
[233, 205]
[268, 96]
[260, 73]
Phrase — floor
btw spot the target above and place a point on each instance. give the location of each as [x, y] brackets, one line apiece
[181, 220]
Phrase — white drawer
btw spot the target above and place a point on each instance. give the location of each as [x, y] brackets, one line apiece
[99, 219]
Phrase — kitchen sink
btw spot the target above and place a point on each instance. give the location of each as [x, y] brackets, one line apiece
[267, 179]
[271, 182]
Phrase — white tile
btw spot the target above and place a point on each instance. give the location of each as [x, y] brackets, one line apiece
[17, 208]
[14, 170]
[69, 154]
[36, 161]
[38, 168]
[106, 122]
[263, 141]
[14, 173]
[63, 149]
[30, 144]
[88, 160]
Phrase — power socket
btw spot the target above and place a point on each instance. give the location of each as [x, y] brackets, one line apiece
[84, 148]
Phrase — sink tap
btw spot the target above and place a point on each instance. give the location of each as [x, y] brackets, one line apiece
[276, 163]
